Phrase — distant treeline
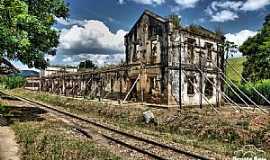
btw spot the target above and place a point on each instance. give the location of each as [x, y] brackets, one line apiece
[262, 87]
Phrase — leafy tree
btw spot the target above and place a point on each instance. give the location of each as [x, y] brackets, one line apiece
[257, 50]
[88, 64]
[26, 32]
[229, 49]
[175, 20]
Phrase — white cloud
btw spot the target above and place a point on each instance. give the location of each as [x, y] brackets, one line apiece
[234, 5]
[221, 11]
[50, 57]
[239, 38]
[68, 60]
[121, 1]
[175, 9]
[93, 37]
[252, 5]
[187, 3]
[91, 40]
[69, 22]
[97, 59]
[224, 15]
[101, 60]
[148, 2]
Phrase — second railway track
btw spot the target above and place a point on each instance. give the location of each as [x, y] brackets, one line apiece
[151, 148]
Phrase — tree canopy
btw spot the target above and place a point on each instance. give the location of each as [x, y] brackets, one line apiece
[257, 50]
[26, 29]
[176, 20]
[88, 64]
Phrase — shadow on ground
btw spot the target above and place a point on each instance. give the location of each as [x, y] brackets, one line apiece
[11, 114]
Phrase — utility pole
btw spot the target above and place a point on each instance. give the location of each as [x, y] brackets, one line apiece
[201, 74]
[180, 73]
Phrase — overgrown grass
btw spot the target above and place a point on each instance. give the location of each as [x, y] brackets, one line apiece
[237, 64]
[263, 87]
[53, 140]
[3, 109]
[12, 82]
[223, 133]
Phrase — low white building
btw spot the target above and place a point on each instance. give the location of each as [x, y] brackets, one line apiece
[53, 70]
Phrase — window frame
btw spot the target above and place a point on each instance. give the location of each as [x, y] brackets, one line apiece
[191, 86]
[209, 87]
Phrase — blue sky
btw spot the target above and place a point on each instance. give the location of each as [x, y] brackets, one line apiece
[95, 28]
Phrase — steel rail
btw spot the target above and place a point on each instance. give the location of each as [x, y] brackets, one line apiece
[152, 142]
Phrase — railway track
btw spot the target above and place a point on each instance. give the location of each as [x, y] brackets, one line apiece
[151, 148]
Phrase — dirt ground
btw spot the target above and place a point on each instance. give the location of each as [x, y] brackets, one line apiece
[9, 149]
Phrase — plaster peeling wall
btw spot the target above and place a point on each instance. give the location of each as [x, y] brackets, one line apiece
[175, 85]
[153, 49]
[179, 45]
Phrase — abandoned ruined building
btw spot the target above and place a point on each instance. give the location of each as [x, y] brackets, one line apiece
[156, 50]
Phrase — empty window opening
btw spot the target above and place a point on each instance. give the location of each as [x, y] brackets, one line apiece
[144, 54]
[156, 30]
[154, 49]
[209, 87]
[191, 46]
[190, 85]
[152, 85]
[209, 47]
[134, 56]
[112, 85]
[154, 52]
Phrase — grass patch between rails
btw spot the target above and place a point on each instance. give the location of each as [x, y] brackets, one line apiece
[51, 140]
[223, 134]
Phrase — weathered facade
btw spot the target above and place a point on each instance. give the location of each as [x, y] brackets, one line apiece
[50, 70]
[156, 51]
[160, 49]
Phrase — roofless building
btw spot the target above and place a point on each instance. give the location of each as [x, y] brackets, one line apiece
[165, 64]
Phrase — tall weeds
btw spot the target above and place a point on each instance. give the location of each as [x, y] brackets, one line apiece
[12, 82]
[248, 88]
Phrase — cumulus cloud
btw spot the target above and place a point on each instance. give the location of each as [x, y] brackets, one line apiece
[224, 9]
[99, 60]
[180, 3]
[148, 2]
[252, 5]
[121, 1]
[240, 37]
[94, 37]
[223, 16]
[92, 40]
[234, 5]
[69, 22]
[187, 3]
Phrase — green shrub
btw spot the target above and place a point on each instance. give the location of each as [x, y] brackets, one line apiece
[248, 88]
[12, 82]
